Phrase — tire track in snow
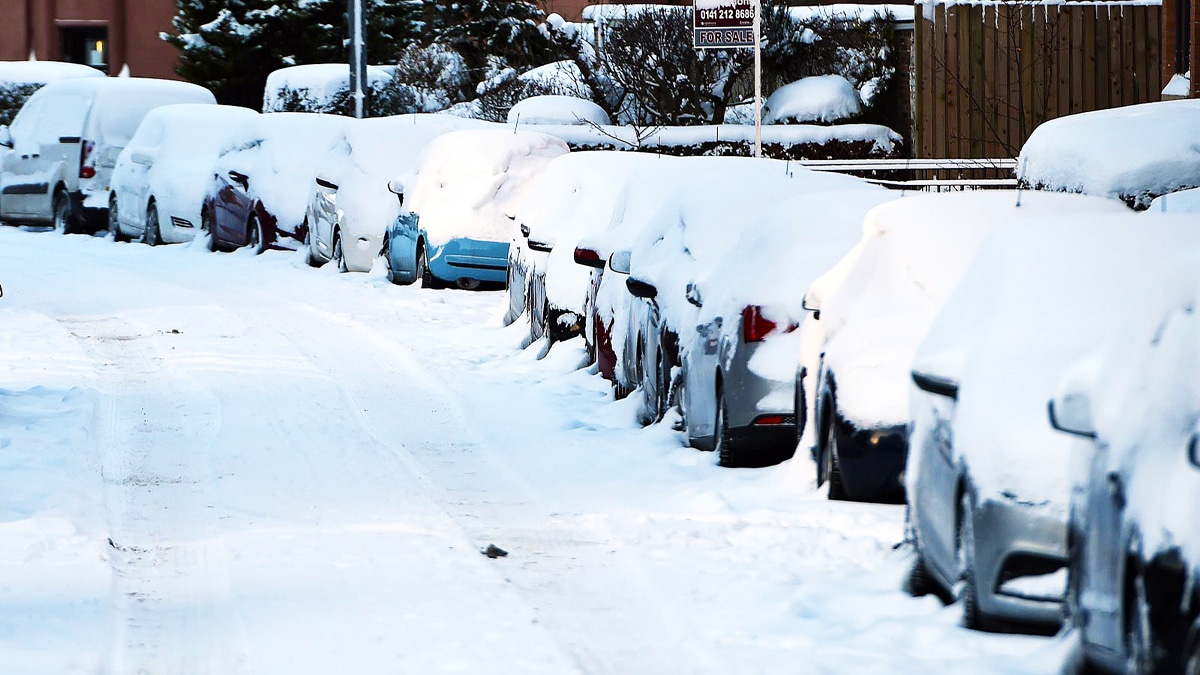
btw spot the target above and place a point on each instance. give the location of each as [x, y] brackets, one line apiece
[170, 586]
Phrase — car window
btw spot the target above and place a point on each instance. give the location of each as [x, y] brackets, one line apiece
[60, 116]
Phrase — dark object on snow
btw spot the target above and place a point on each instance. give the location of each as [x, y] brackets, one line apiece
[493, 551]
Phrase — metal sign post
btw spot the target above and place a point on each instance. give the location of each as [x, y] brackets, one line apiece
[358, 56]
[731, 24]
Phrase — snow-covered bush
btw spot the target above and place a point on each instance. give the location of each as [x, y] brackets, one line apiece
[825, 98]
[19, 79]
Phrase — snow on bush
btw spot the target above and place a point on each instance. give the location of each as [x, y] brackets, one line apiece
[318, 87]
[19, 79]
[1133, 153]
[557, 110]
[472, 182]
[825, 98]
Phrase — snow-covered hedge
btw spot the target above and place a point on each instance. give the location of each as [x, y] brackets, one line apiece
[19, 79]
[1133, 153]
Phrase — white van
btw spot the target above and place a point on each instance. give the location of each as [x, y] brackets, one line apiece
[65, 141]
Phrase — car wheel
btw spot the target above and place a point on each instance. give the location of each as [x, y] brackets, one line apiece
[387, 258]
[919, 581]
[1140, 650]
[967, 587]
[310, 256]
[114, 222]
[726, 448]
[339, 257]
[208, 226]
[833, 465]
[255, 239]
[151, 235]
[62, 213]
[423, 273]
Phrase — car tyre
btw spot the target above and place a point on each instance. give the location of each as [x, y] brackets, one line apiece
[967, 587]
[1191, 656]
[62, 212]
[150, 234]
[1140, 649]
[208, 225]
[114, 222]
[726, 449]
[256, 239]
[920, 581]
[339, 256]
[386, 252]
[833, 466]
[423, 273]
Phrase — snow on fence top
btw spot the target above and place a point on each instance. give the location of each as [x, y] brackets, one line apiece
[607, 12]
[1041, 3]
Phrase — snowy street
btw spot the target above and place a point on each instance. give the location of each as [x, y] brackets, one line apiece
[228, 463]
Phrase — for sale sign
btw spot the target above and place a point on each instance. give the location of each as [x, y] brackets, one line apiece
[724, 23]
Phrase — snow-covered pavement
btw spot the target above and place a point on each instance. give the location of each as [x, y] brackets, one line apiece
[238, 464]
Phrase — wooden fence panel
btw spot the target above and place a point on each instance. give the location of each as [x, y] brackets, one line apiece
[988, 74]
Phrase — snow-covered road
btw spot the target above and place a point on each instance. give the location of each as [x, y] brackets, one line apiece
[237, 464]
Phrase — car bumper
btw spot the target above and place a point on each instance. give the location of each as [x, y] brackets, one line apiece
[470, 259]
[1022, 541]
[769, 442]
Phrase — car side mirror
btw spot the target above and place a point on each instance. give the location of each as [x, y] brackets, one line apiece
[540, 246]
[139, 157]
[619, 262]
[524, 230]
[240, 178]
[935, 384]
[396, 187]
[640, 288]
[588, 257]
[6, 139]
[812, 304]
[1193, 448]
[693, 295]
[1072, 414]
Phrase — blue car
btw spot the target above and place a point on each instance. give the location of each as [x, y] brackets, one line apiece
[459, 218]
[461, 261]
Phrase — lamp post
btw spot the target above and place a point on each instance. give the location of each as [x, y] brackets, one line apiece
[358, 56]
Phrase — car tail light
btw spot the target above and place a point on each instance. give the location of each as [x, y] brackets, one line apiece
[588, 257]
[87, 168]
[769, 419]
[755, 326]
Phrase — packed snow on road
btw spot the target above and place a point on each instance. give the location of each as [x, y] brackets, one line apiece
[228, 463]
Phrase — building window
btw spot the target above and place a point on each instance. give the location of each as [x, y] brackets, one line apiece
[86, 45]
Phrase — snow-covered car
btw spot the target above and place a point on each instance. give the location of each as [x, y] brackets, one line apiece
[66, 141]
[683, 230]
[987, 479]
[261, 181]
[350, 206]
[458, 215]
[161, 177]
[869, 313]
[739, 362]
[1184, 201]
[1134, 586]
[574, 197]
[1149, 149]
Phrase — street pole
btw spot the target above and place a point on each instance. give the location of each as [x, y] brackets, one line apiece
[758, 79]
[358, 56]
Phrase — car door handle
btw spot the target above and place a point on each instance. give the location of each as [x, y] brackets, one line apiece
[33, 156]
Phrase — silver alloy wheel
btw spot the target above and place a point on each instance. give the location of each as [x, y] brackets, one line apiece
[150, 233]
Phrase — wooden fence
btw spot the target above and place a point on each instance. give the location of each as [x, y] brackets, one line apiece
[987, 74]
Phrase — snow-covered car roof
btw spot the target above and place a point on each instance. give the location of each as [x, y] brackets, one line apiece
[41, 72]
[573, 198]
[877, 303]
[1134, 153]
[1039, 294]
[472, 182]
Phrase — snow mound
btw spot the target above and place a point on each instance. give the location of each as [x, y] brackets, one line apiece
[563, 77]
[1134, 153]
[557, 110]
[825, 98]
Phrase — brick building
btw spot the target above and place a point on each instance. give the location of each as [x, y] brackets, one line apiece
[106, 34]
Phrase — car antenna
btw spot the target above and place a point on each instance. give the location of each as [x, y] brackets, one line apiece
[516, 123]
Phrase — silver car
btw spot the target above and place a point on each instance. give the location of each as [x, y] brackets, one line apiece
[987, 478]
